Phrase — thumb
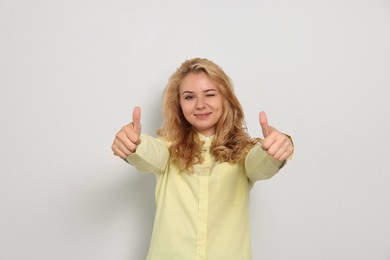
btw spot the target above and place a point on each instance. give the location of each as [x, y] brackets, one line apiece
[264, 123]
[137, 120]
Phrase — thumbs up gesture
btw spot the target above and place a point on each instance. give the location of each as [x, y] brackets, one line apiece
[277, 144]
[128, 138]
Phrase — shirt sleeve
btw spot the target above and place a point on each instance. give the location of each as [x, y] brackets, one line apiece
[259, 165]
[152, 155]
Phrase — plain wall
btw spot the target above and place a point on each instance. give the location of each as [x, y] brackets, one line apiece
[72, 71]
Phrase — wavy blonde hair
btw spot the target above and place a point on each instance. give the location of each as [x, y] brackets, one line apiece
[231, 142]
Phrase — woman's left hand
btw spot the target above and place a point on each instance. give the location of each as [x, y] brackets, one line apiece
[277, 144]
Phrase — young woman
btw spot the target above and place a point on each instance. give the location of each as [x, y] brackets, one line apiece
[205, 163]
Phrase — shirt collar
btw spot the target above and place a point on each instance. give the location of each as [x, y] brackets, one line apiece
[208, 140]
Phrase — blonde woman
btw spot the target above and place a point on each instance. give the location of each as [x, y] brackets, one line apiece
[205, 163]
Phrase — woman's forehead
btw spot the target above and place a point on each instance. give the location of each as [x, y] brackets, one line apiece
[197, 82]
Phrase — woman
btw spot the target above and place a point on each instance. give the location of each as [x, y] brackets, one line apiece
[205, 163]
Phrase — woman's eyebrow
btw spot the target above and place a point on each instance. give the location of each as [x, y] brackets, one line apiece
[187, 91]
[191, 92]
[212, 89]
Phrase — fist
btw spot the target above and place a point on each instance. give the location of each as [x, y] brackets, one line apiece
[277, 144]
[128, 138]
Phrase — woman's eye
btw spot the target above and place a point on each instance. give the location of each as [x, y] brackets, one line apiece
[210, 95]
[188, 97]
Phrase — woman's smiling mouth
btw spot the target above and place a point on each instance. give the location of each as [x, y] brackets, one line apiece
[202, 115]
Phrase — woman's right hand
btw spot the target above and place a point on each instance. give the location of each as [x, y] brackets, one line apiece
[128, 138]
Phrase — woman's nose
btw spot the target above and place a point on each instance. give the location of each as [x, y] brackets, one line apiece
[200, 103]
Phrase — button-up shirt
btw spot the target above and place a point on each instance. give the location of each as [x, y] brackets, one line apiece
[204, 214]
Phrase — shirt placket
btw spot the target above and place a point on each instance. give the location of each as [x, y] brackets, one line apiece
[203, 176]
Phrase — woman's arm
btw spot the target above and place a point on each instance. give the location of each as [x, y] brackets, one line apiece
[152, 155]
[264, 160]
[146, 153]
[259, 165]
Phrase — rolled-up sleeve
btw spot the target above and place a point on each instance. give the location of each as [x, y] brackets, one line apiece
[152, 155]
[259, 165]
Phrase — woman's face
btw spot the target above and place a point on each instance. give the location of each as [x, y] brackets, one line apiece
[201, 102]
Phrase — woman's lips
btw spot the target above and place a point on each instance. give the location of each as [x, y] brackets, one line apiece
[202, 115]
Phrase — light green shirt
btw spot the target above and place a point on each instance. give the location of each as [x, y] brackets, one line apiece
[202, 215]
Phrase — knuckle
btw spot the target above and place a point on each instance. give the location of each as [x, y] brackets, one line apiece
[119, 135]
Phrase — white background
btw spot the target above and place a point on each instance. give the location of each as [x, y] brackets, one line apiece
[71, 72]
